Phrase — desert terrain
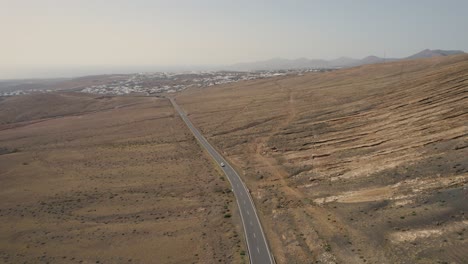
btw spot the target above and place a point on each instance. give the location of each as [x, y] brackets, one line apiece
[98, 179]
[360, 165]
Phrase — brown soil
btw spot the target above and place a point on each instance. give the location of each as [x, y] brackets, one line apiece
[88, 179]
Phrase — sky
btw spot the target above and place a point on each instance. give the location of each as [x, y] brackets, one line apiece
[62, 38]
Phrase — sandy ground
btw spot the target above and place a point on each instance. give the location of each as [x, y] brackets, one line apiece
[360, 165]
[87, 179]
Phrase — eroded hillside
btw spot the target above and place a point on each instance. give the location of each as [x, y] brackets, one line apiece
[367, 164]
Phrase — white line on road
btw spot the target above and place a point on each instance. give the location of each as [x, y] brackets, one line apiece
[254, 235]
[232, 176]
[248, 212]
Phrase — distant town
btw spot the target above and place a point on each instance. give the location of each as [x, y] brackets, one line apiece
[157, 83]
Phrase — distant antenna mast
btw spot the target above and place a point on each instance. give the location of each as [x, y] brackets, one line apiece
[384, 56]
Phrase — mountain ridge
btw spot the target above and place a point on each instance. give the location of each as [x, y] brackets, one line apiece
[341, 62]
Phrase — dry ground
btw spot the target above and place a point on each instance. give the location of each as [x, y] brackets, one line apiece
[87, 179]
[360, 165]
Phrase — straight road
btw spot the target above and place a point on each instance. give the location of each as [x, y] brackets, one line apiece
[257, 245]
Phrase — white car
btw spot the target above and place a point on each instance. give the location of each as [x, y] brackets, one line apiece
[222, 164]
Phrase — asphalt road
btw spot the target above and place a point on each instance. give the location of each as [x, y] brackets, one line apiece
[256, 242]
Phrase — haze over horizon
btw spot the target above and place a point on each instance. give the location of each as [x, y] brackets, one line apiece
[61, 39]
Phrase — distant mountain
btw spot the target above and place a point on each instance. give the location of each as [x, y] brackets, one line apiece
[371, 60]
[427, 53]
[304, 63]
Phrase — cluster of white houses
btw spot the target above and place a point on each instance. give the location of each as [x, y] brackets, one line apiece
[154, 83]
[162, 82]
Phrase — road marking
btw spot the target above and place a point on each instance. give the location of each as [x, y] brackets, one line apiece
[248, 212]
[254, 235]
[228, 170]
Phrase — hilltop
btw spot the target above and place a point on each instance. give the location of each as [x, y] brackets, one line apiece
[427, 53]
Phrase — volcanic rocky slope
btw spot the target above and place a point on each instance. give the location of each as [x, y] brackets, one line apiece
[366, 164]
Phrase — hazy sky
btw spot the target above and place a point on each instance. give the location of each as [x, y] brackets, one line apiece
[40, 37]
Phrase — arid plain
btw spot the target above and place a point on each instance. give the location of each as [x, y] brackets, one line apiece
[89, 179]
[360, 165]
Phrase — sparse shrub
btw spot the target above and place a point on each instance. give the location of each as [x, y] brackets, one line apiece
[228, 215]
